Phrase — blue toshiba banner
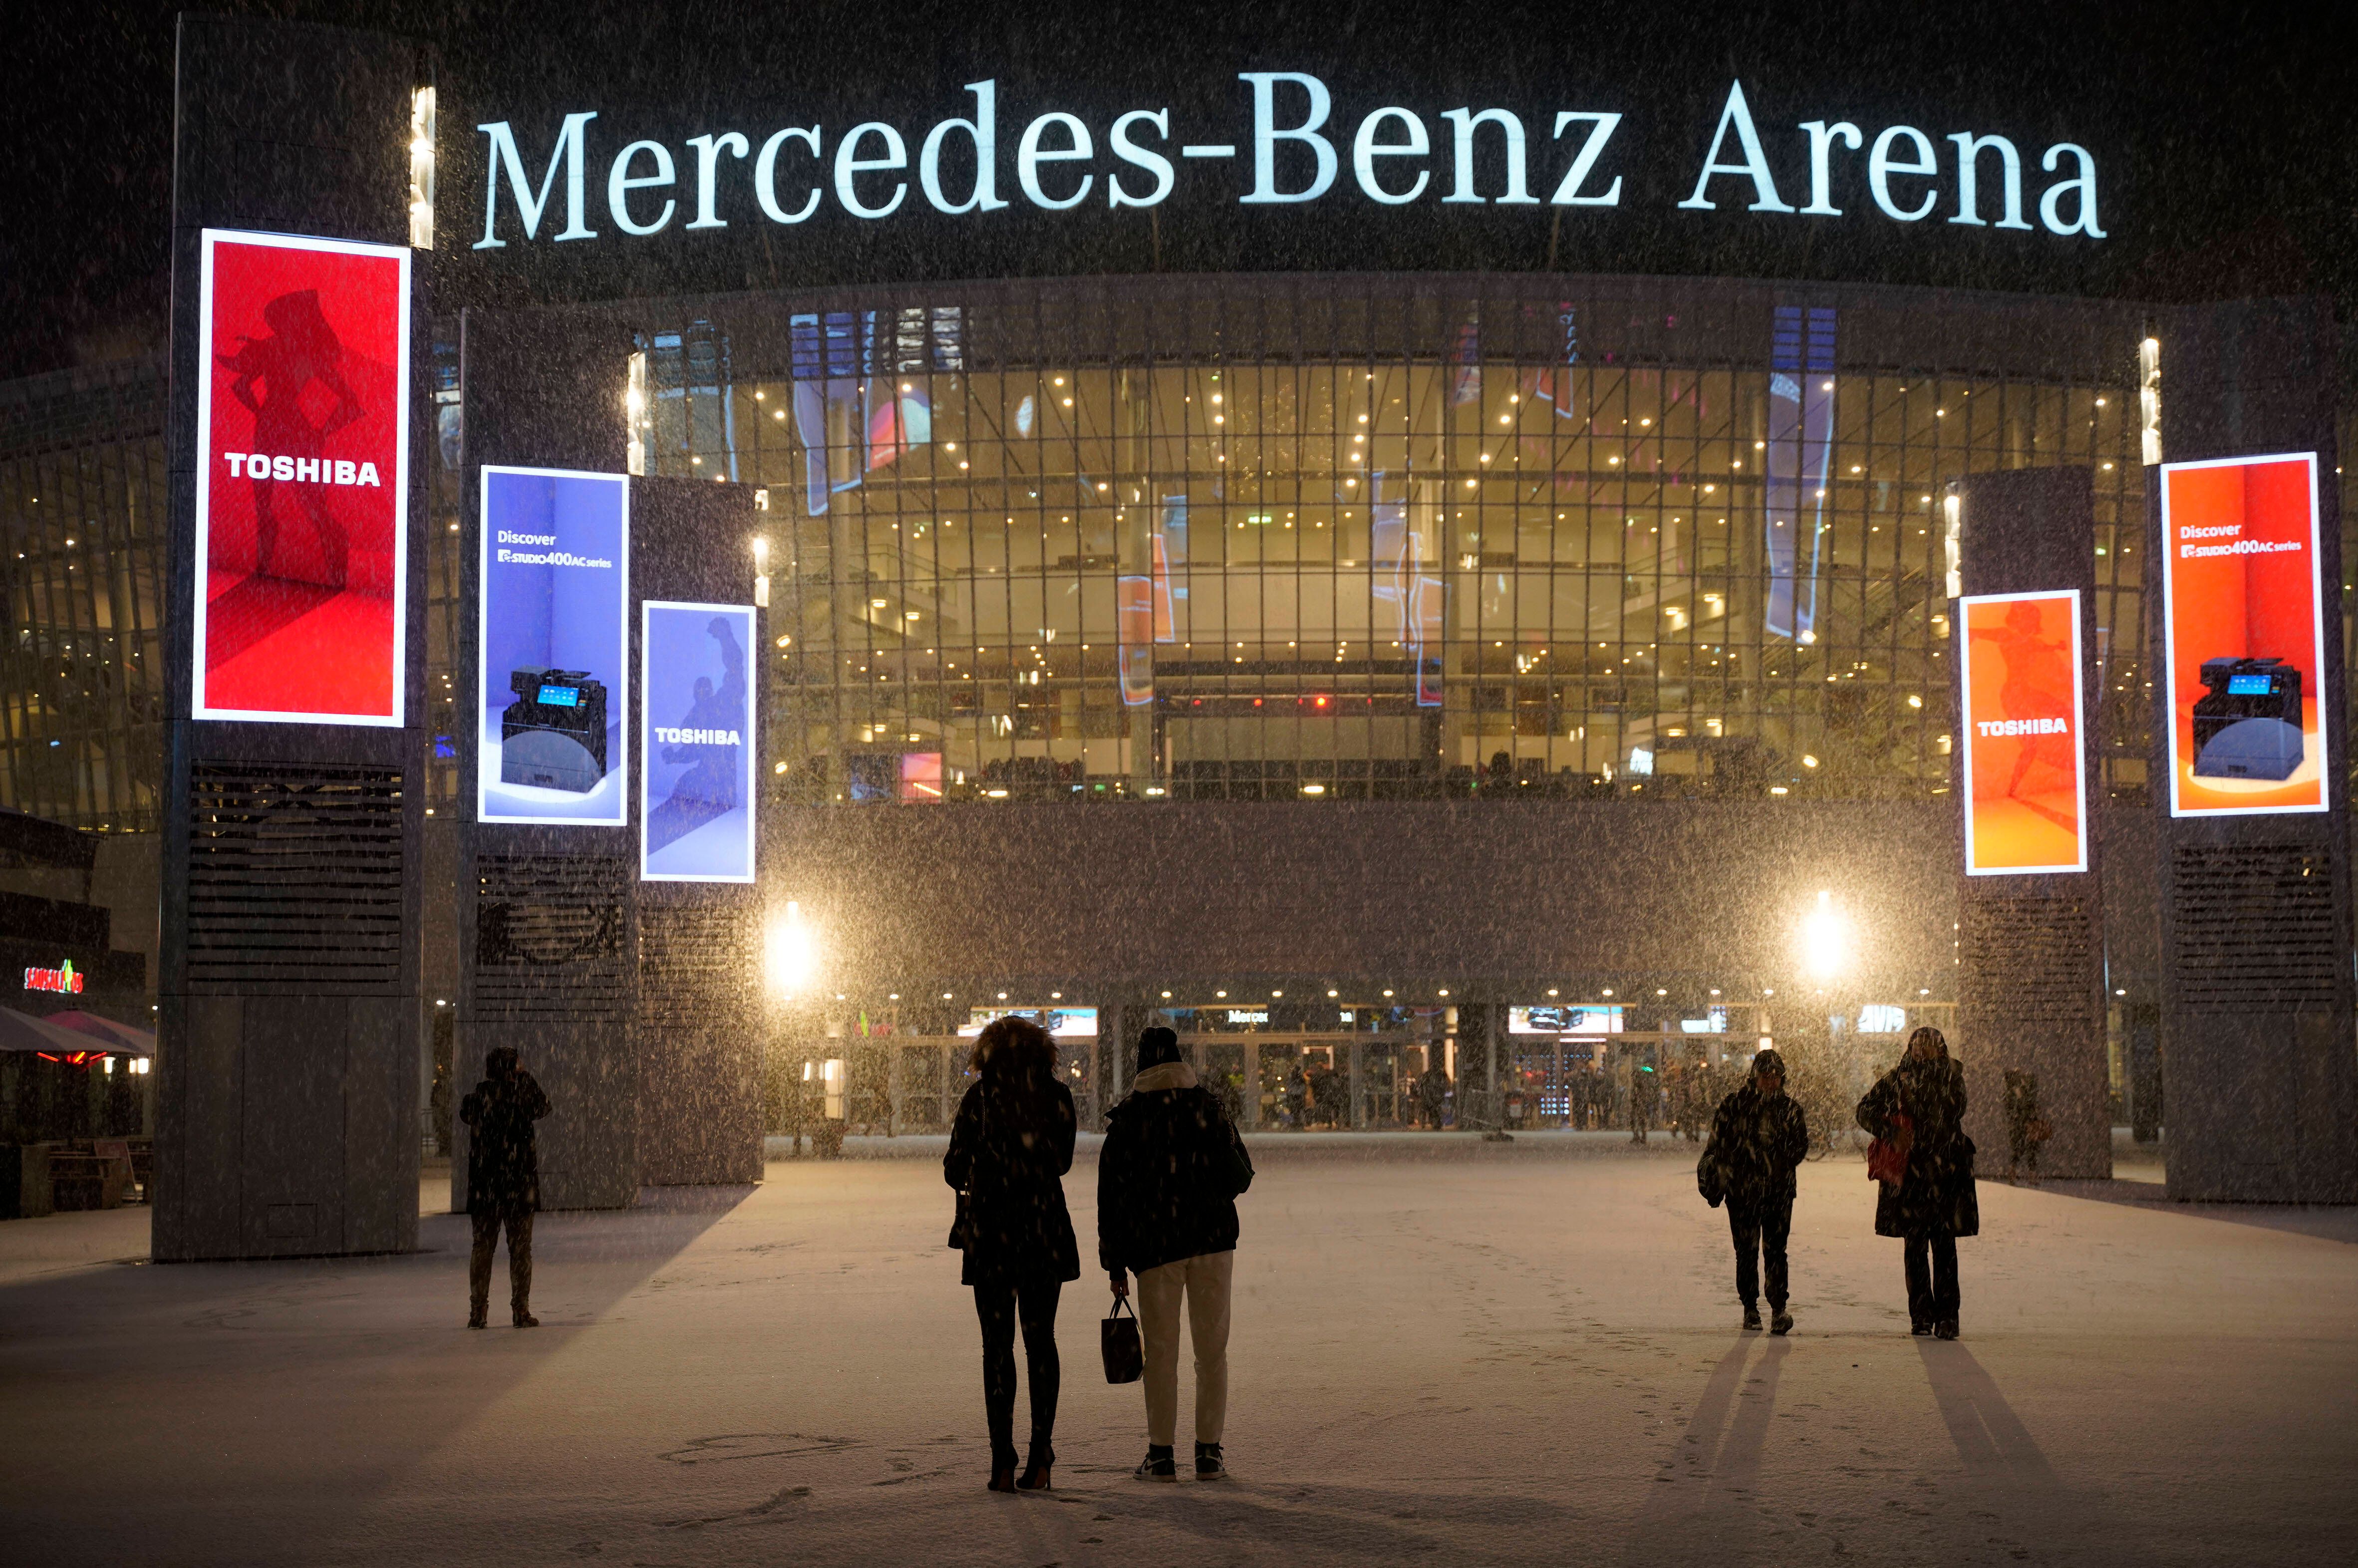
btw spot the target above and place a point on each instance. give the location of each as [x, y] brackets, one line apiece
[695, 807]
[553, 636]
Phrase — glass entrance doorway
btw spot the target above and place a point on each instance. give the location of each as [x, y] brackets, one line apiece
[1308, 1083]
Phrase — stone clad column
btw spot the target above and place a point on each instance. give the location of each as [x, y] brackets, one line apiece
[2031, 947]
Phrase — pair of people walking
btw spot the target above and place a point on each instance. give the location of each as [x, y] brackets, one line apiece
[1168, 1177]
[1926, 1198]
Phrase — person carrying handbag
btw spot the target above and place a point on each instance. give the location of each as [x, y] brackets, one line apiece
[1923, 1163]
[1759, 1139]
[1168, 1179]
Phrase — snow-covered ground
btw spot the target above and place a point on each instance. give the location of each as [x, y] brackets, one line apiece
[1446, 1351]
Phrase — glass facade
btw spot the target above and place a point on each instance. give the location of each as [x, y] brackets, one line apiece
[1246, 538]
[82, 540]
[1317, 538]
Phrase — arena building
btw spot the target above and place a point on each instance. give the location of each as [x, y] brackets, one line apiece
[1395, 554]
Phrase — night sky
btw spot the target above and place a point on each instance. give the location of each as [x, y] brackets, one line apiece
[2230, 164]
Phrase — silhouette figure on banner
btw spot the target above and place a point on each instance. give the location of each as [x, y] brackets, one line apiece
[2039, 680]
[709, 787]
[302, 350]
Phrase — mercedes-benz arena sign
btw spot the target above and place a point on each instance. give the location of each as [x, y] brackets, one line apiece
[1288, 143]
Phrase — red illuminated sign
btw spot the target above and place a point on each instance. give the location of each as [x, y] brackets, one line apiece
[2243, 628]
[302, 457]
[65, 979]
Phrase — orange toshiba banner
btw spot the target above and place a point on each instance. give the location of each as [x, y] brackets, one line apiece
[2025, 785]
[2242, 636]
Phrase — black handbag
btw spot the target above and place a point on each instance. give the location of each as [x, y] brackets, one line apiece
[1125, 1358]
[962, 1226]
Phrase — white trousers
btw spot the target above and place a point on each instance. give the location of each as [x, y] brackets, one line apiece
[1204, 1280]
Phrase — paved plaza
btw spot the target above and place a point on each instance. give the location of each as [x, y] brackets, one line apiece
[1446, 1351]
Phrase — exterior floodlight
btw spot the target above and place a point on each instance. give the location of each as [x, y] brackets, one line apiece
[1825, 939]
[790, 952]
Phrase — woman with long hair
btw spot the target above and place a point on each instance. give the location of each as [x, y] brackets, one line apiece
[1009, 1148]
[1919, 1109]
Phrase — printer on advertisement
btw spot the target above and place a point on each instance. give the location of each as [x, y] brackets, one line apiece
[553, 736]
[2247, 726]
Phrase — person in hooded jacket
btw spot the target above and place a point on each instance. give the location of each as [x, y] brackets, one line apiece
[1009, 1147]
[1167, 1185]
[1922, 1103]
[1759, 1139]
[503, 1182]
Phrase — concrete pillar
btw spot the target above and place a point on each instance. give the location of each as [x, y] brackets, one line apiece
[2031, 947]
[288, 972]
[2257, 1005]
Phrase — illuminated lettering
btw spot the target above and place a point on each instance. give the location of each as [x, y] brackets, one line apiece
[1266, 136]
[670, 736]
[1366, 149]
[984, 130]
[1462, 122]
[1130, 152]
[64, 979]
[849, 165]
[620, 182]
[1030, 154]
[1880, 167]
[765, 176]
[708, 157]
[1823, 137]
[529, 204]
[1600, 131]
[1969, 148]
[2082, 185]
[1737, 115]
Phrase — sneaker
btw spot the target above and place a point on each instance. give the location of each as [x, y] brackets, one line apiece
[1209, 1465]
[1158, 1465]
[1945, 1329]
[1782, 1323]
[1751, 1318]
[1919, 1328]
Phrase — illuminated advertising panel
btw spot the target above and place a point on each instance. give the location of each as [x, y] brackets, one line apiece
[303, 480]
[554, 631]
[2242, 636]
[1565, 1020]
[696, 790]
[1064, 1023]
[2025, 768]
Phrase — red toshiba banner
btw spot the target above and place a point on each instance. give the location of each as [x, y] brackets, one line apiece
[2242, 636]
[302, 494]
[2024, 767]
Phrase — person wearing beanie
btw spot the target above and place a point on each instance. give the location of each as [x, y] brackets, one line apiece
[1168, 1180]
[1758, 1141]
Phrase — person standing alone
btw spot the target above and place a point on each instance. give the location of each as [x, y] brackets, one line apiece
[503, 1182]
[1168, 1180]
[1009, 1148]
[1757, 1140]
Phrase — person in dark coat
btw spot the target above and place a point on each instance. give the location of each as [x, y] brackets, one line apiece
[2022, 1120]
[1167, 1185]
[1009, 1148]
[503, 1182]
[1759, 1139]
[1921, 1104]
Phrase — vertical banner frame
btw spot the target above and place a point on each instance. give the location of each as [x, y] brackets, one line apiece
[2317, 743]
[210, 454]
[652, 750]
[1972, 706]
[618, 699]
